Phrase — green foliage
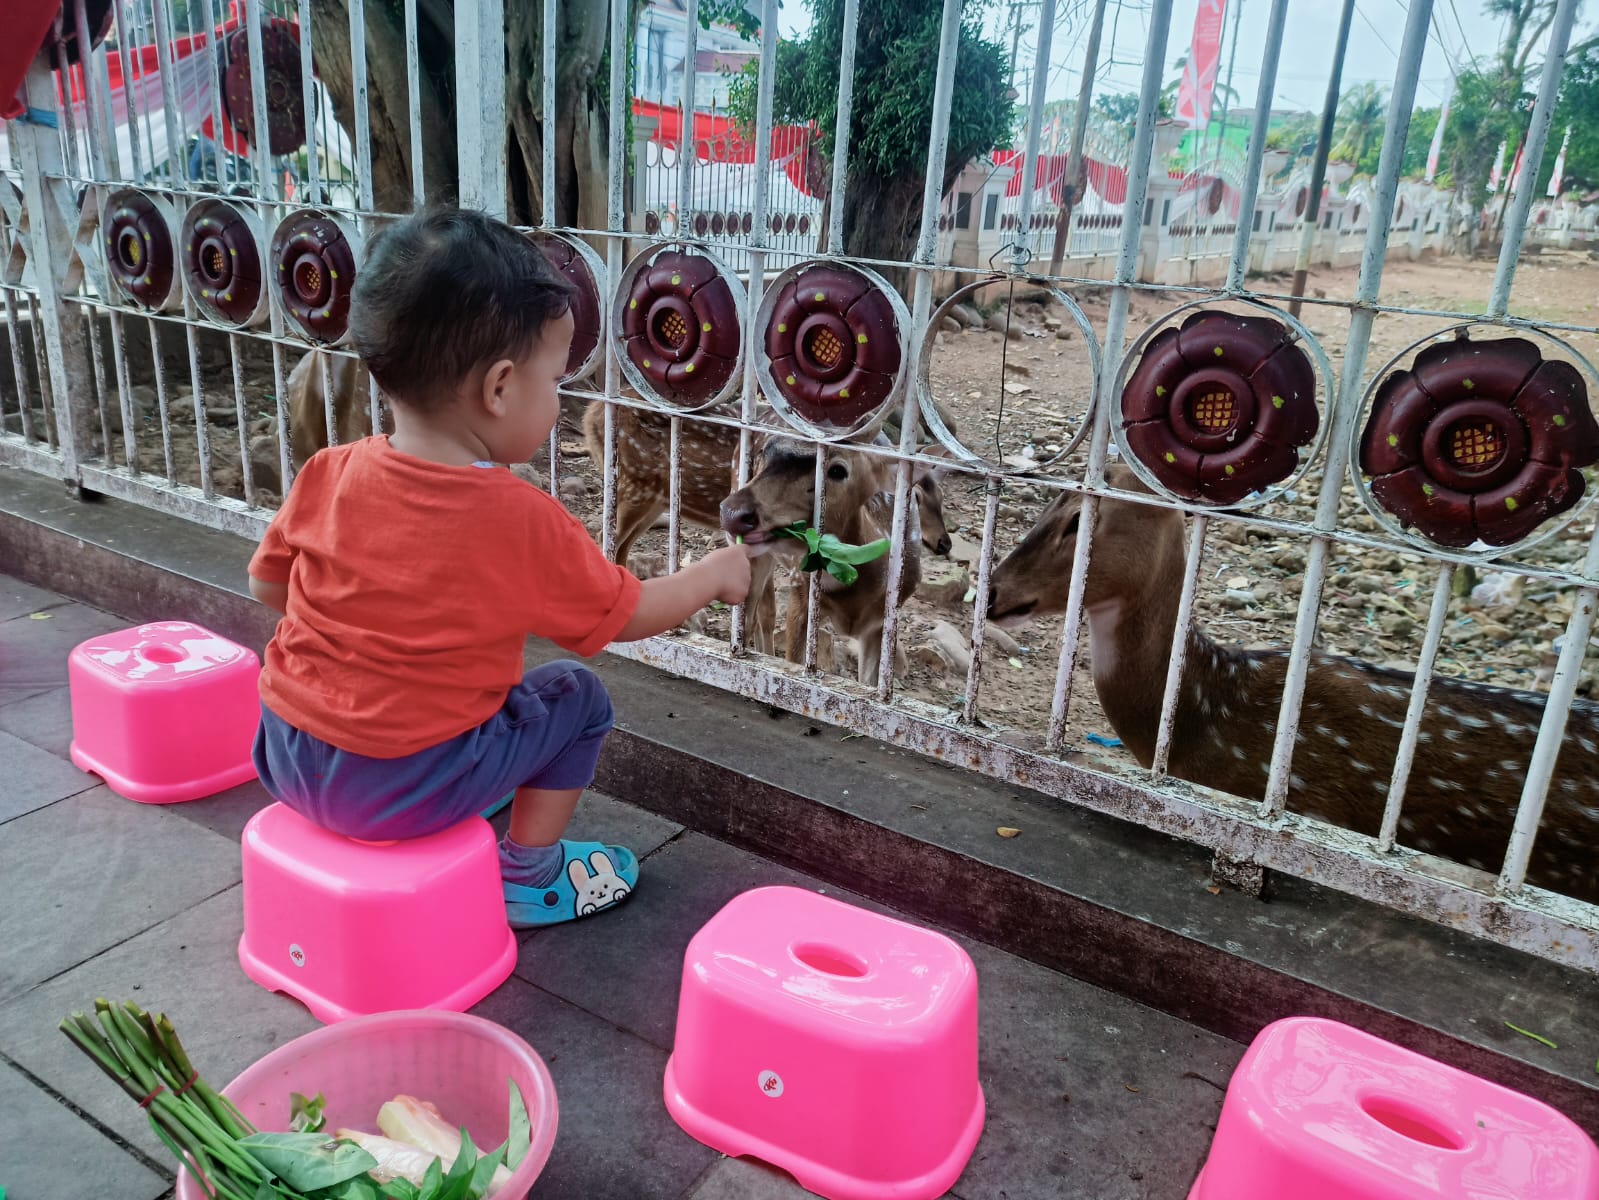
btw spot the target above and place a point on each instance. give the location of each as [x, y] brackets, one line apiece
[1358, 133]
[896, 57]
[1577, 107]
[1488, 108]
[823, 551]
[732, 13]
[1295, 134]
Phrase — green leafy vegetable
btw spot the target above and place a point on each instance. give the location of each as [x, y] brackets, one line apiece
[520, 1138]
[838, 558]
[305, 1115]
[307, 1161]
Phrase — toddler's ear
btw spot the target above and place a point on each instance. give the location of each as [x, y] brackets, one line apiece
[497, 382]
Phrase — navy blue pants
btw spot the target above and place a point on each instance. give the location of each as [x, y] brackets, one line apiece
[547, 735]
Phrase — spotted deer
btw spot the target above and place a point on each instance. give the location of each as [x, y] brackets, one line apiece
[858, 510]
[708, 461]
[1471, 756]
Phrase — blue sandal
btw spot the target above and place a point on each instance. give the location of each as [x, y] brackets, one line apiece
[594, 877]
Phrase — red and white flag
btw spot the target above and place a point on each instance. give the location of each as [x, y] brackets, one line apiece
[1204, 54]
[1515, 171]
[1437, 146]
[1560, 164]
[1498, 171]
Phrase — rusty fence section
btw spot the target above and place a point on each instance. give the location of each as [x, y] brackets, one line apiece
[182, 210]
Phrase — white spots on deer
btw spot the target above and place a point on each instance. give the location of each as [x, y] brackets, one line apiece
[1471, 722]
[1446, 785]
[1360, 766]
[1408, 824]
[1509, 764]
[1239, 753]
[1340, 741]
[1295, 781]
[1465, 811]
[1454, 735]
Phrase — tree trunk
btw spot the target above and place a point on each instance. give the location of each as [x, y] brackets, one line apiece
[882, 218]
[389, 100]
[582, 121]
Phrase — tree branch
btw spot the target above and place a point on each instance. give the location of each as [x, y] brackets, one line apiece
[1532, 40]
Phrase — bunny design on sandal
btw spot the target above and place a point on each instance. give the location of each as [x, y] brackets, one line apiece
[601, 889]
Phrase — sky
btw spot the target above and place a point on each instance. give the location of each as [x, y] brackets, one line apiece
[1460, 29]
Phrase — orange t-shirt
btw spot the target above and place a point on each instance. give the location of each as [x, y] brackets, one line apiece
[412, 588]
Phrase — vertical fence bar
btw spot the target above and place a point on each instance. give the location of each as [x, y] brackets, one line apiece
[130, 415]
[921, 306]
[413, 106]
[43, 364]
[281, 405]
[1257, 141]
[362, 105]
[73, 150]
[757, 256]
[124, 41]
[615, 244]
[242, 416]
[1347, 407]
[685, 183]
[61, 372]
[163, 403]
[177, 167]
[213, 56]
[985, 560]
[1021, 251]
[1417, 709]
[97, 358]
[308, 93]
[202, 426]
[1179, 646]
[19, 365]
[846, 109]
[261, 152]
[1110, 364]
[1552, 729]
[93, 114]
[1074, 160]
[1543, 113]
[480, 108]
[548, 147]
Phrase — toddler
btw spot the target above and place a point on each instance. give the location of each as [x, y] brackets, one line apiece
[410, 569]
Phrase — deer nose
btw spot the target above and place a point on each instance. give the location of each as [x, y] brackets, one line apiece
[945, 545]
[739, 518]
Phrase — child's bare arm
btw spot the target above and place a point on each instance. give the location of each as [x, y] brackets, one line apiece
[273, 595]
[666, 601]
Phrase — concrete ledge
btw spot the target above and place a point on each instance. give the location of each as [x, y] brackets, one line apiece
[1100, 899]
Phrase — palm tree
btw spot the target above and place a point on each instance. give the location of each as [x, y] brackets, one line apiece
[1360, 121]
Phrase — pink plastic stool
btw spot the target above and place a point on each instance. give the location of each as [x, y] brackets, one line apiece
[829, 1041]
[164, 712]
[1320, 1111]
[350, 928]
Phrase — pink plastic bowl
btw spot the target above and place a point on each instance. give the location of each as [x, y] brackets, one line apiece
[454, 1060]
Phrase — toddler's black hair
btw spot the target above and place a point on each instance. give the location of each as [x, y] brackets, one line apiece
[445, 292]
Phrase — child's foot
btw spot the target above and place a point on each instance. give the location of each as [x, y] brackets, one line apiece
[590, 878]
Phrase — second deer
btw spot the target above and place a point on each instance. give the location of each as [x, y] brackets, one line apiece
[1474, 745]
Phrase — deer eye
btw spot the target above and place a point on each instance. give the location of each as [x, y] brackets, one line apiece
[838, 472]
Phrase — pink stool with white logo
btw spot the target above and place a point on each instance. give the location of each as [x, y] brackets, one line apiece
[1320, 1111]
[832, 1042]
[164, 712]
[350, 928]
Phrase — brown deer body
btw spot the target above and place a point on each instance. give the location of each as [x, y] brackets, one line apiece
[1474, 743]
[308, 421]
[783, 492]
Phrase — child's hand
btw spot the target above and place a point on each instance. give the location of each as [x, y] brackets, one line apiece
[729, 570]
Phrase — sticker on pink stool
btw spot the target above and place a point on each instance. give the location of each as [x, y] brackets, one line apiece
[832, 1042]
[164, 712]
[1319, 1111]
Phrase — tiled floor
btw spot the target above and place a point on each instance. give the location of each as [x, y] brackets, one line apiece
[1089, 1096]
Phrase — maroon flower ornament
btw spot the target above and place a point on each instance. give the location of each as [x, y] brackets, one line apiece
[285, 91]
[313, 268]
[680, 328]
[573, 266]
[139, 249]
[833, 341]
[1479, 441]
[1218, 408]
[222, 264]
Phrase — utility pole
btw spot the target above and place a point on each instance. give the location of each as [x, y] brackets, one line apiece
[1318, 172]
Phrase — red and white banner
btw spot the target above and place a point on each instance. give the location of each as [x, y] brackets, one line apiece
[1560, 164]
[1515, 171]
[1199, 76]
[1498, 171]
[1437, 146]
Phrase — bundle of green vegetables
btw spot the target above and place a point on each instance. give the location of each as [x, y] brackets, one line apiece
[232, 1160]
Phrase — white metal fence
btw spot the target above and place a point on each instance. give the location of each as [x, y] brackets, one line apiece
[162, 300]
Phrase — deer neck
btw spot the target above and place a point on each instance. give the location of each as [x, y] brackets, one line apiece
[1130, 641]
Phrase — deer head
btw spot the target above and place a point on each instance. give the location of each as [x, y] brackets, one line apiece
[1033, 580]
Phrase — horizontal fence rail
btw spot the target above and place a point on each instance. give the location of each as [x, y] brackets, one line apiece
[1068, 390]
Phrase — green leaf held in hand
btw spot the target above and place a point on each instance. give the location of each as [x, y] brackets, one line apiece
[520, 1139]
[305, 1115]
[307, 1161]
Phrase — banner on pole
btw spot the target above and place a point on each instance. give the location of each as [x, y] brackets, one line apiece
[1498, 173]
[1560, 164]
[1437, 146]
[1204, 55]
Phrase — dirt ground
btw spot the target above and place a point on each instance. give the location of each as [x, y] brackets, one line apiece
[1025, 395]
